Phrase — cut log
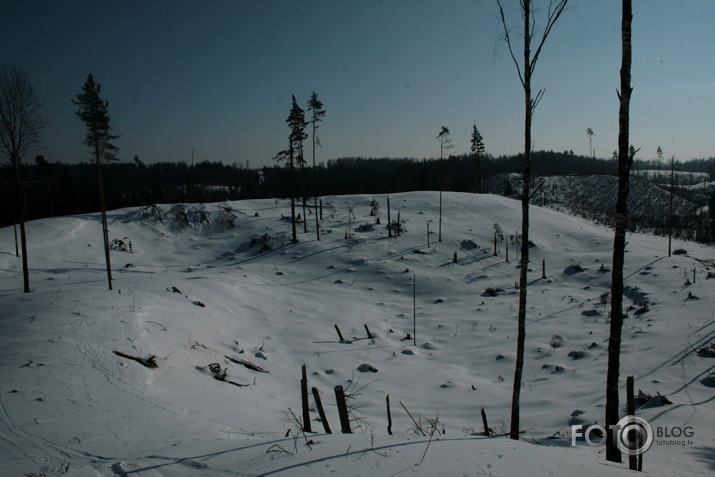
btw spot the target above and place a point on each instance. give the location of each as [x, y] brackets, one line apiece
[248, 364]
[149, 361]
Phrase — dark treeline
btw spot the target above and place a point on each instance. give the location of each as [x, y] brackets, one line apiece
[55, 189]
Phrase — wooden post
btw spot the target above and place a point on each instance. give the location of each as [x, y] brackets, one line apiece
[340, 335]
[304, 396]
[17, 250]
[506, 244]
[484, 423]
[439, 235]
[321, 209]
[631, 410]
[389, 218]
[389, 416]
[342, 409]
[321, 412]
[399, 226]
[693, 274]
[427, 234]
[414, 309]
[495, 245]
[369, 335]
[543, 268]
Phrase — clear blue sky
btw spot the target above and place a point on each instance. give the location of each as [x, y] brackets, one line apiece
[217, 76]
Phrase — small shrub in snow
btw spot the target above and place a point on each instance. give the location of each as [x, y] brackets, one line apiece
[556, 341]
[263, 240]
[365, 368]
[469, 244]
[374, 207]
[492, 291]
[575, 267]
[707, 351]
[149, 214]
[226, 219]
[124, 245]
[179, 217]
[644, 400]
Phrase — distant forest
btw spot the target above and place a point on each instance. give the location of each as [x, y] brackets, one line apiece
[56, 189]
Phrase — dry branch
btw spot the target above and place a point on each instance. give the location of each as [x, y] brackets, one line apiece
[149, 361]
[248, 364]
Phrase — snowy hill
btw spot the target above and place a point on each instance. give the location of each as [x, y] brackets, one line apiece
[221, 284]
[594, 197]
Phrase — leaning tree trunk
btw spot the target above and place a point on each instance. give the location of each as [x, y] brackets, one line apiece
[105, 226]
[524, 264]
[625, 160]
[23, 236]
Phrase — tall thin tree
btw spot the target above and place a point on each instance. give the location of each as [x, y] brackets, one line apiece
[297, 124]
[525, 72]
[590, 134]
[477, 148]
[445, 144]
[315, 106]
[670, 206]
[625, 161]
[94, 113]
[21, 120]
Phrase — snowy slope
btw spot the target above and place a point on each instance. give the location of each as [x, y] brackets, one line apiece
[195, 291]
[594, 197]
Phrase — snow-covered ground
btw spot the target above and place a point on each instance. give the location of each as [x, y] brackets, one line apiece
[194, 291]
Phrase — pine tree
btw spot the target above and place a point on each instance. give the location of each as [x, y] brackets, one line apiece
[477, 149]
[297, 124]
[315, 106]
[94, 113]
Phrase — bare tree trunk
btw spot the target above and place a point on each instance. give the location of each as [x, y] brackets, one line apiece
[23, 219]
[25, 265]
[670, 208]
[17, 250]
[302, 190]
[625, 161]
[315, 190]
[292, 195]
[105, 227]
[555, 8]
[526, 178]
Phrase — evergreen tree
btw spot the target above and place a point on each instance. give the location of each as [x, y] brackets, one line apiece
[94, 113]
[477, 148]
[297, 124]
[590, 134]
[315, 106]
